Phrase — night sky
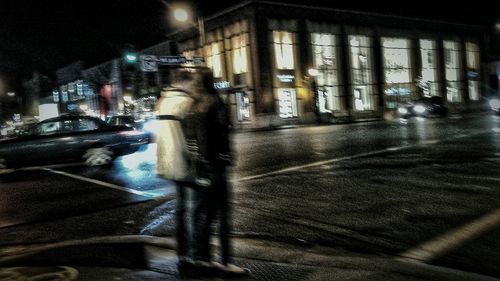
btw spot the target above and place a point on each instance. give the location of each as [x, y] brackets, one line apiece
[42, 35]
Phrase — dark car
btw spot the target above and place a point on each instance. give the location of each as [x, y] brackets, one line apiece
[70, 139]
[424, 107]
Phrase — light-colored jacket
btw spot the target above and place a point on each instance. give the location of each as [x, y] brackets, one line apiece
[172, 161]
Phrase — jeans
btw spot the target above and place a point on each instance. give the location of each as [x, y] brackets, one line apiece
[203, 205]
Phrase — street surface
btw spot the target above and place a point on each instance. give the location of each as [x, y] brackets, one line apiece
[425, 190]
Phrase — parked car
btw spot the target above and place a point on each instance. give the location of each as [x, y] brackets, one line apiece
[70, 139]
[424, 107]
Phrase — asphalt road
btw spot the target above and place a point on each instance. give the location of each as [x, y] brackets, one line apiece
[426, 190]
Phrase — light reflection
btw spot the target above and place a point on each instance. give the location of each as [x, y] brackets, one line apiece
[132, 162]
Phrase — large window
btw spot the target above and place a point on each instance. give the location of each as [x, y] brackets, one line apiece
[214, 59]
[325, 58]
[428, 80]
[362, 71]
[240, 58]
[453, 71]
[283, 49]
[473, 63]
[396, 56]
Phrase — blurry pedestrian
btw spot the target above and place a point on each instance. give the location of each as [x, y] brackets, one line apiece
[172, 162]
[207, 129]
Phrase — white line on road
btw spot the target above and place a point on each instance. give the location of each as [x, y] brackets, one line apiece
[334, 160]
[315, 164]
[453, 239]
[98, 182]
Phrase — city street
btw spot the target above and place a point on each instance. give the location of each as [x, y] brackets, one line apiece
[421, 190]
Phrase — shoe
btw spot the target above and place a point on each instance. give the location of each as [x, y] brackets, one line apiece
[196, 269]
[230, 270]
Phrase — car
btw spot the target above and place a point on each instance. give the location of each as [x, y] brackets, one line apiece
[70, 138]
[424, 107]
[495, 105]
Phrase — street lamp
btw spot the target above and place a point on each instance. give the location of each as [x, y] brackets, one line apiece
[181, 14]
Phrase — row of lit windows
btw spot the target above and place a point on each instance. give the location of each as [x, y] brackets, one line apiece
[397, 64]
[397, 68]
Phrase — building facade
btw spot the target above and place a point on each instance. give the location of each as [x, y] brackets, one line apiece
[283, 64]
[278, 64]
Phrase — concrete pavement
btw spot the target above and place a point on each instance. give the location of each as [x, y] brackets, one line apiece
[153, 258]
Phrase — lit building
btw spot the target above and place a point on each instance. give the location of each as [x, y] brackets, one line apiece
[367, 64]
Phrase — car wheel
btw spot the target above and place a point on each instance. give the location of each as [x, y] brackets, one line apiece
[98, 156]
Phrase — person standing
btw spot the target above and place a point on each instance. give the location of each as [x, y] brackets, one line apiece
[207, 129]
[172, 162]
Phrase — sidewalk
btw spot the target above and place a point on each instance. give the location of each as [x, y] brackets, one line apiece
[151, 258]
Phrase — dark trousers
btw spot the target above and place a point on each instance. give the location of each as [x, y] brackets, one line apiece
[182, 232]
[209, 204]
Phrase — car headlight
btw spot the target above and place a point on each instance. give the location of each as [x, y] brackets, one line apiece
[419, 109]
[402, 110]
[495, 103]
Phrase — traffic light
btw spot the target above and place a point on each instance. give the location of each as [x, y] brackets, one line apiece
[130, 57]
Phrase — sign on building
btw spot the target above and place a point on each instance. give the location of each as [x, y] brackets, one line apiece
[149, 63]
[172, 60]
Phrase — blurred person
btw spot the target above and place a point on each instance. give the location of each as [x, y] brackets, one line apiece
[172, 163]
[207, 129]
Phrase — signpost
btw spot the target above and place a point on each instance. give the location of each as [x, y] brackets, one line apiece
[172, 60]
[149, 63]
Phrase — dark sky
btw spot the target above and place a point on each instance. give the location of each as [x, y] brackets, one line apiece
[41, 35]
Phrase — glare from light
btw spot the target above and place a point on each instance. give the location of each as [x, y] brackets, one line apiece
[131, 57]
[419, 109]
[11, 94]
[495, 103]
[402, 110]
[313, 72]
[181, 15]
[150, 126]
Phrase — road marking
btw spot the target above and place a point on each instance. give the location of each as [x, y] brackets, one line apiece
[335, 160]
[452, 239]
[102, 183]
[319, 163]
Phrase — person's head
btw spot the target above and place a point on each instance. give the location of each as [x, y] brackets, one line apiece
[183, 79]
[207, 81]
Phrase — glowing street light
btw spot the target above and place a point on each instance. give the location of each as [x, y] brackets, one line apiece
[181, 14]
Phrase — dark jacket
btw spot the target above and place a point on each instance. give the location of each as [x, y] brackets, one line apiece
[207, 130]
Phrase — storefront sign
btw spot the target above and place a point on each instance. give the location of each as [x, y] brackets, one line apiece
[286, 78]
[222, 85]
